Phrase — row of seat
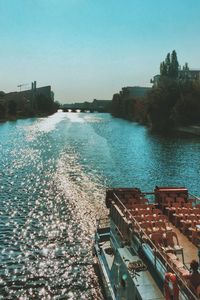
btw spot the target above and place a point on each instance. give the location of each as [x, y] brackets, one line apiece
[152, 221]
[185, 218]
[187, 223]
[131, 203]
[138, 206]
[184, 215]
[150, 218]
[145, 211]
[167, 242]
[152, 225]
[182, 212]
[168, 203]
[175, 207]
[155, 226]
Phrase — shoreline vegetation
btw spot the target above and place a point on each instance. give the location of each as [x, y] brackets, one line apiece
[19, 108]
[172, 104]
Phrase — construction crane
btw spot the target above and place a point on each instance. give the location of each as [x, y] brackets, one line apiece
[22, 84]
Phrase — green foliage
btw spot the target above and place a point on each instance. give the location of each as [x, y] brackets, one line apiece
[174, 101]
[116, 105]
[163, 69]
[174, 66]
[187, 108]
[12, 108]
[56, 105]
[169, 68]
[2, 111]
[131, 108]
[161, 101]
[184, 73]
[44, 104]
[20, 106]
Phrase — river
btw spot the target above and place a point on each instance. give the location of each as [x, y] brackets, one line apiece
[53, 176]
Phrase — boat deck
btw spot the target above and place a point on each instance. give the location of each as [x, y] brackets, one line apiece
[109, 256]
[144, 284]
[161, 227]
[190, 250]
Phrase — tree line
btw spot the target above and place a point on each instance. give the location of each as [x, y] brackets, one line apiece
[174, 100]
[19, 106]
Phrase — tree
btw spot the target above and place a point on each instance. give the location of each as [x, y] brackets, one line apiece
[2, 94]
[57, 105]
[168, 64]
[185, 67]
[174, 65]
[44, 104]
[187, 108]
[161, 102]
[184, 74]
[115, 106]
[2, 111]
[163, 69]
[169, 67]
[12, 108]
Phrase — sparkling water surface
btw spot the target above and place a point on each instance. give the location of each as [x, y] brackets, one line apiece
[53, 175]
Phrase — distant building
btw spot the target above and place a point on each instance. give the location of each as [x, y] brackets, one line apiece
[96, 105]
[24, 101]
[20, 99]
[28, 95]
[101, 105]
[183, 74]
[34, 91]
[189, 74]
[134, 91]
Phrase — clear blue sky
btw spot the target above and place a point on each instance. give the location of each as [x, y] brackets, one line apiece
[89, 49]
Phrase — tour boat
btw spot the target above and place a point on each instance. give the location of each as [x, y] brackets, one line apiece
[145, 246]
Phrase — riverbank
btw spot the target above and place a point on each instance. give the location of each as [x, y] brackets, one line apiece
[19, 117]
[190, 130]
[172, 102]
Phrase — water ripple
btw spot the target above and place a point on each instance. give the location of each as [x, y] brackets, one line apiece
[47, 222]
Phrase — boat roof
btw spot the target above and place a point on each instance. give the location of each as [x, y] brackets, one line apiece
[170, 189]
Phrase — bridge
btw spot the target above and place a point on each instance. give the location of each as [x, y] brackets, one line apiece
[75, 109]
[95, 106]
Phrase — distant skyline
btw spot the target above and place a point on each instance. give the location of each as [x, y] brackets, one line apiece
[88, 49]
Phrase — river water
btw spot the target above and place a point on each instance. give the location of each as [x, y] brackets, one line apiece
[53, 175]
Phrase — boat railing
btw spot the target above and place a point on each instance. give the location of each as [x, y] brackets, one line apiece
[145, 239]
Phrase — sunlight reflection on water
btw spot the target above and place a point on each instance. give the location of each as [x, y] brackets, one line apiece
[53, 175]
[48, 222]
[48, 252]
[44, 125]
[75, 118]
